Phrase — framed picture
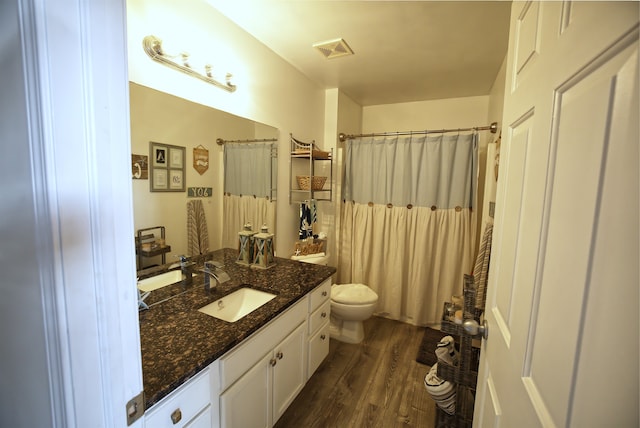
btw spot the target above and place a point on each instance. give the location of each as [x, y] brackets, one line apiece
[159, 181]
[159, 155]
[167, 168]
[175, 179]
[176, 157]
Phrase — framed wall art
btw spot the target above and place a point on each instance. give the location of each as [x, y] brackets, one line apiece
[168, 170]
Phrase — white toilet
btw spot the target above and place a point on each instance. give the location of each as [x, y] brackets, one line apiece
[351, 304]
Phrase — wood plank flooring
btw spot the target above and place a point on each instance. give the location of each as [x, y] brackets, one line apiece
[376, 383]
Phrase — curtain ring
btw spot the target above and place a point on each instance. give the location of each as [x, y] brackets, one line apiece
[389, 205]
[433, 207]
[458, 209]
[370, 204]
[409, 206]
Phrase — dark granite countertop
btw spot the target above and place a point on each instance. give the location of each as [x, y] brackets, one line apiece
[177, 341]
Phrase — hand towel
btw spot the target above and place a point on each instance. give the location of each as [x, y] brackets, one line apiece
[197, 233]
[443, 392]
[446, 351]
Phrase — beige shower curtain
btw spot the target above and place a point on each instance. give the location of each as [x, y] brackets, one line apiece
[250, 172]
[238, 210]
[407, 225]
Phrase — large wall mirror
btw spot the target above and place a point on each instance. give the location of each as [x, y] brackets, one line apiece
[162, 120]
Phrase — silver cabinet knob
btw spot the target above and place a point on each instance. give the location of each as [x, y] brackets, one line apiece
[279, 355]
[323, 315]
[324, 293]
[273, 362]
[323, 337]
[471, 327]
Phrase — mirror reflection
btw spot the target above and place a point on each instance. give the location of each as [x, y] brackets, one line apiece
[170, 221]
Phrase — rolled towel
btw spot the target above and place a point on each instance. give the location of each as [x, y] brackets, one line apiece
[446, 351]
[443, 392]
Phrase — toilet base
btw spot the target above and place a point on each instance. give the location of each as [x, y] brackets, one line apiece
[346, 331]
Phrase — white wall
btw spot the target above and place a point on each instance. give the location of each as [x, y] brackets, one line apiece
[344, 115]
[420, 115]
[269, 90]
[496, 101]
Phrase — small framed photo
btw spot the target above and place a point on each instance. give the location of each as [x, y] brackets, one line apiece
[175, 179]
[159, 155]
[167, 168]
[159, 180]
[176, 158]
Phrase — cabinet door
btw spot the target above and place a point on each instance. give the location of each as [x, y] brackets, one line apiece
[289, 371]
[246, 403]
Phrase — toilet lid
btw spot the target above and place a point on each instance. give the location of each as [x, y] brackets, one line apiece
[354, 294]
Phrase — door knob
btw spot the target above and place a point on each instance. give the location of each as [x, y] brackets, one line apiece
[472, 328]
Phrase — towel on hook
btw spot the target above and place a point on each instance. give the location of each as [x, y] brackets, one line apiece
[306, 227]
[481, 269]
[197, 234]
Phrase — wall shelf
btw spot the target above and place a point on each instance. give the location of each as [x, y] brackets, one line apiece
[150, 245]
[308, 159]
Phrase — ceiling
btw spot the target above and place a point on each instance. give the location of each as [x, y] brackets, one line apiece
[404, 50]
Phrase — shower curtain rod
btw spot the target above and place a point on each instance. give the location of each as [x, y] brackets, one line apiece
[220, 141]
[493, 128]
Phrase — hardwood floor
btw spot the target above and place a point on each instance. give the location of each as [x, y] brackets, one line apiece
[376, 383]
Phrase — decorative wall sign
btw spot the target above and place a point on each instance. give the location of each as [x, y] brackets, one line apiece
[168, 170]
[200, 192]
[139, 167]
[201, 159]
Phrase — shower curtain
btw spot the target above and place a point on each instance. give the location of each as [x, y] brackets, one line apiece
[249, 171]
[407, 221]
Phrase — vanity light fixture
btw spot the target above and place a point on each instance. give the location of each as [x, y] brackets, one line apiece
[153, 47]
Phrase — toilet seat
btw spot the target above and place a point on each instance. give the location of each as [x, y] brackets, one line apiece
[353, 294]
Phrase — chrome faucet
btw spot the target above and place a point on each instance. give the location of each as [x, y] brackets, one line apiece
[213, 269]
[186, 266]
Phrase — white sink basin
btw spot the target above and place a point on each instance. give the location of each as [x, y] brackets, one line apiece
[159, 281]
[237, 304]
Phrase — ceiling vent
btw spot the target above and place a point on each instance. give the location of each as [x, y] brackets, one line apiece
[333, 48]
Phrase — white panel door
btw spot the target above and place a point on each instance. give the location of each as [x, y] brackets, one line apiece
[562, 303]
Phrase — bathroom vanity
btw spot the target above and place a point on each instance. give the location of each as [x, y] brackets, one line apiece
[200, 371]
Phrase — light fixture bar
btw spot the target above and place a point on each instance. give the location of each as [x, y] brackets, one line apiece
[153, 47]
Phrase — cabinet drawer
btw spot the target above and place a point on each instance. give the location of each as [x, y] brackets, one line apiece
[187, 401]
[319, 317]
[203, 420]
[241, 358]
[318, 349]
[319, 295]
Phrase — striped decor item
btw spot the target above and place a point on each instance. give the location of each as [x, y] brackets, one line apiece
[197, 234]
[443, 392]
[481, 269]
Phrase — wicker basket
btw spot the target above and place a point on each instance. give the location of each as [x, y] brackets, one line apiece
[317, 184]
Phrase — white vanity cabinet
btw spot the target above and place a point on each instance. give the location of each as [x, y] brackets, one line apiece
[319, 314]
[262, 395]
[253, 384]
[262, 376]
